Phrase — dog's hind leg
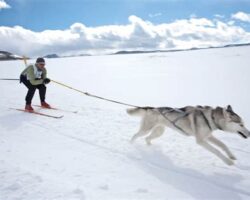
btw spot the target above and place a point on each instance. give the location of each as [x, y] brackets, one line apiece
[220, 144]
[215, 151]
[147, 123]
[146, 126]
[157, 132]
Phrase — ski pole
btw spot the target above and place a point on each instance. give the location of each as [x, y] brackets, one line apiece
[16, 79]
[25, 60]
[9, 79]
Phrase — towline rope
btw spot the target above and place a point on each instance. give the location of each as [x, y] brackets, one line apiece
[85, 93]
[95, 96]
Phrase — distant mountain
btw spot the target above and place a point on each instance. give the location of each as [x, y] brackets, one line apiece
[134, 52]
[57, 56]
[237, 45]
[84, 54]
[77, 55]
[4, 55]
[153, 51]
[175, 50]
[51, 56]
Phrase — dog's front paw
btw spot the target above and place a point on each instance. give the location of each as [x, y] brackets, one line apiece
[233, 157]
[148, 143]
[132, 141]
[229, 162]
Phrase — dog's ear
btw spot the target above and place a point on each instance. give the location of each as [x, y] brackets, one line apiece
[221, 112]
[232, 115]
[226, 113]
[229, 108]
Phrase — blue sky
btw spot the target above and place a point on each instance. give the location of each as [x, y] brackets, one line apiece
[66, 27]
[40, 15]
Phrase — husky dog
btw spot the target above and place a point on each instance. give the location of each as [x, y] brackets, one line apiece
[199, 121]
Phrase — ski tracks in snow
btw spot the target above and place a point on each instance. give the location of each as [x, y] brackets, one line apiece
[150, 159]
[93, 132]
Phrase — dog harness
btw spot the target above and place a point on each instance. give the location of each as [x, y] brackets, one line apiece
[165, 110]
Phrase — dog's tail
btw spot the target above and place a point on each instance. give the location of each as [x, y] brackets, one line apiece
[138, 111]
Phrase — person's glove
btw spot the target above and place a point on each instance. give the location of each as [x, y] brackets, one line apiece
[46, 80]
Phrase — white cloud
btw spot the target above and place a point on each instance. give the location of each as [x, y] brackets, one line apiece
[219, 16]
[241, 16]
[155, 15]
[138, 34]
[3, 5]
[231, 22]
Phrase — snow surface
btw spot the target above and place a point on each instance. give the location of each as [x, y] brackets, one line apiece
[87, 156]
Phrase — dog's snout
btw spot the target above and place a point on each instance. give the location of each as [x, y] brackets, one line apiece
[242, 134]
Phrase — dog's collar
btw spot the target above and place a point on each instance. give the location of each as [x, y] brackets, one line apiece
[214, 121]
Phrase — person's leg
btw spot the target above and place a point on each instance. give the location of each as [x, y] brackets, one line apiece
[30, 95]
[42, 92]
[31, 91]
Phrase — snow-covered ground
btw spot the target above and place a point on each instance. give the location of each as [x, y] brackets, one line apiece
[87, 156]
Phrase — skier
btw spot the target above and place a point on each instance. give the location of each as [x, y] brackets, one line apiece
[35, 77]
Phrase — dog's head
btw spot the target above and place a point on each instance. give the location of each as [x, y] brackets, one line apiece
[232, 122]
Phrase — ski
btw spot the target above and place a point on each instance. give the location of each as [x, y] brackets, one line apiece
[38, 113]
[59, 109]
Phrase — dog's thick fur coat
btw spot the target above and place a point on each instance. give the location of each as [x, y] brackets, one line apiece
[199, 121]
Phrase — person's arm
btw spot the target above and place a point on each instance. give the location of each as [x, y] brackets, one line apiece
[44, 75]
[24, 71]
